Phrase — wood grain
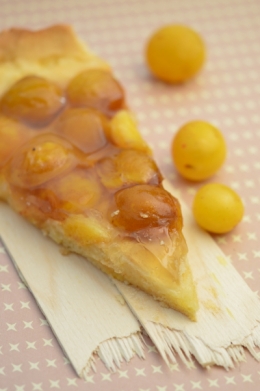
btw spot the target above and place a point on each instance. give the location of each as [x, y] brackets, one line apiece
[83, 307]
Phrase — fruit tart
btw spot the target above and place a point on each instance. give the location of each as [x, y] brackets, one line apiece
[73, 163]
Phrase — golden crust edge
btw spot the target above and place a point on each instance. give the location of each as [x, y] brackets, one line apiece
[134, 254]
[32, 45]
[55, 53]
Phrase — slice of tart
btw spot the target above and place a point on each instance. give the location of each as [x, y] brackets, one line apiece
[73, 163]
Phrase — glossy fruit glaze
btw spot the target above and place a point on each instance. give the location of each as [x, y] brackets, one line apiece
[76, 150]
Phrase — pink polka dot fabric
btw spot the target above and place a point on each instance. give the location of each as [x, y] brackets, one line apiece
[227, 94]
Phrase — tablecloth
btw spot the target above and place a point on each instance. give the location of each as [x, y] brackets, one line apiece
[225, 93]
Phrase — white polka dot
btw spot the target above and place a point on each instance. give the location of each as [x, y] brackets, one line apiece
[232, 91]
[240, 76]
[236, 105]
[196, 110]
[141, 116]
[173, 127]
[239, 152]
[155, 114]
[147, 86]
[228, 121]
[217, 50]
[128, 74]
[182, 111]
[230, 50]
[253, 74]
[223, 64]
[249, 183]
[163, 145]
[167, 160]
[250, 104]
[253, 150]
[257, 88]
[210, 66]
[137, 102]
[125, 60]
[248, 61]
[178, 97]
[133, 87]
[214, 79]
[229, 168]
[145, 131]
[235, 185]
[215, 122]
[164, 98]
[168, 113]
[242, 48]
[209, 108]
[243, 167]
[227, 77]
[235, 63]
[172, 175]
[255, 118]
[233, 136]
[245, 90]
[242, 120]
[191, 96]
[218, 93]
[223, 107]
[158, 129]
[205, 94]
[247, 135]
[200, 81]
[150, 100]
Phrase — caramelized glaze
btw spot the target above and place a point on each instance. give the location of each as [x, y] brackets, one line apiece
[72, 152]
[33, 100]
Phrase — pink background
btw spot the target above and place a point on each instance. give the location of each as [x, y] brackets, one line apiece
[227, 94]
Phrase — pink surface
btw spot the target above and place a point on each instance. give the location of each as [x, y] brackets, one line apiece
[226, 93]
